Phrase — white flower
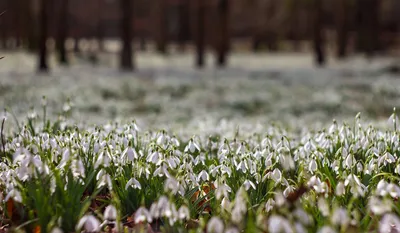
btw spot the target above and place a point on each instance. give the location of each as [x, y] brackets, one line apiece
[89, 223]
[56, 230]
[381, 188]
[302, 216]
[389, 223]
[276, 175]
[222, 191]
[247, 184]
[340, 217]
[278, 224]
[15, 195]
[393, 190]
[340, 189]
[183, 213]
[203, 175]
[232, 230]
[269, 205]
[326, 229]
[110, 213]
[313, 166]
[192, 147]
[142, 215]
[225, 204]
[133, 183]
[130, 154]
[215, 225]
[378, 206]
[323, 206]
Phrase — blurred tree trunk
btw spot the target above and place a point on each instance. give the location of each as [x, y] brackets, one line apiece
[63, 28]
[162, 26]
[342, 31]
[33, 33]
[100, 30]
[223, 32]
[318, 37]
[200, 33]
[126, 34]
[183, 24]
[368, 26]
[43, 34]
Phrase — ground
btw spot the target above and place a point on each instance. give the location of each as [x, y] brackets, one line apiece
[254, 88]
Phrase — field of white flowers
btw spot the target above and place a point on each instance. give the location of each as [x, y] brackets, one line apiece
[252, 148]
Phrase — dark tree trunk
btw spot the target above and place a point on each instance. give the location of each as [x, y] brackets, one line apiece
[318, 37]
[342, 33]
[183, 24]
[33, 33]
[162, 26]
[63, 31]
[223, 32]
[368, 23]
[100, 31]
[44, 17]
[200, 33]
[127, 35]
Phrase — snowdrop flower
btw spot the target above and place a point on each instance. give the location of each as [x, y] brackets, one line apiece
[15, 195]
[215, 225]
[340, 217]
[389, 223]
[378, 206]
[278, 224]
[276, 175]
[340, 189]
[133, 183]
[232, 230]
[56, 230]
[222, 190]
[313, 166]
[192, 147]
[142, 215]
[110, 213]
[183, 213]
[323, 206]
[247, 184]
[302, 216]
[326, 229]
[225, 204]
[269, 205]
[129, 154]
[203, 176]
[89, 223]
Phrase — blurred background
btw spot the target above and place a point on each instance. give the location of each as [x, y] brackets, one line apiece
[330, 58]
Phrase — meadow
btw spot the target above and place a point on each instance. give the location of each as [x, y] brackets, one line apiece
[269, 144]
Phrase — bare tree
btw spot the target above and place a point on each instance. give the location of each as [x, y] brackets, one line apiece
[367, 23]
[342, 31]
[183, 24]
[126, 34]
[200, 33]
[318, 37]
[63, 27]
[44, 18]
[162, 26]
[223, 29]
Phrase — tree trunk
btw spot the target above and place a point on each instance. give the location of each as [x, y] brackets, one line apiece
[127, 35]
[162, 26]
[200, 31]
[183, 24]
[44, 16]
[342, 32]
[63, 31]
[223, 32]
[368, 31]
[318, 39]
